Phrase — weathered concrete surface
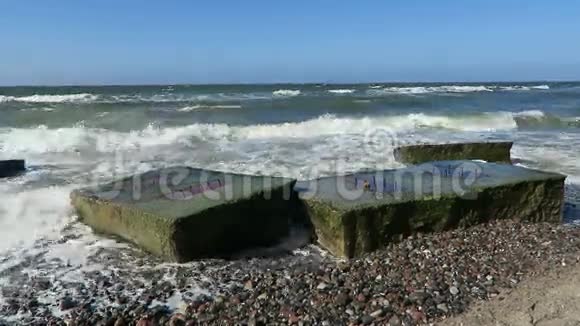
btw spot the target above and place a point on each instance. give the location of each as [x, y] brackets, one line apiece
[359, 213]
[183, 213]
[11, 168]
[487, 151]
[551, 299]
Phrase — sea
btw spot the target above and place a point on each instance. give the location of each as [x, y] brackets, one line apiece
[83, 135]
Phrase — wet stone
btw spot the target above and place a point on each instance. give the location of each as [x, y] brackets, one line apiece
[359, 213]
[182, 213]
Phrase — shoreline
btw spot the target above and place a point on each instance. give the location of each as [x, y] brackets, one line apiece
[422, 279]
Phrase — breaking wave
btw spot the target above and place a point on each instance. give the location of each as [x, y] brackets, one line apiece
[19, 141]
[201, 107]
[286, 92]
[44, 140]
[88, 98]
[341, 91]
[20, 211]
[451, 89]
[68, 98]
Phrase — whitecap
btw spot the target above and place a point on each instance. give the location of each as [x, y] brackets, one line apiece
[430, 89]
[286, 92]
[341, 91]
[541, 87]
[67, 98]
[200, 106]
[530, 113]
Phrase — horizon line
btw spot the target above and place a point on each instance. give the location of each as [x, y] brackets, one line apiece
[290, 83]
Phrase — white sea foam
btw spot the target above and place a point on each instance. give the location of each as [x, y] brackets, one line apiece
[464, 89]
[68, 98]
[530, 113]
[451, 89]
[522, 88]
[341, 91]
[286, 92]
[33, 214]
[541, 87]
[400, 90]
[20, 141]
[200, 106]
[431, 89]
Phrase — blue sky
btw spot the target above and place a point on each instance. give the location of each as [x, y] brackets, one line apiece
[137, 42]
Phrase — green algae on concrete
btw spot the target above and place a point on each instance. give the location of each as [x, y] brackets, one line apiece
[359, 213]
[10, 168]
[182, 213]
[498, 152]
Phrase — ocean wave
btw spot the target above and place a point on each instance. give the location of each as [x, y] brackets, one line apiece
[286, 92]
[21, 141]
[86, 98]
[67, 98]
[522, 88]
[541, 87]
[20, 212]
[531, 113]
[39, 140]
[536, 119]
[200, 107]
[451, 89]
[431, 89]
[341, 91]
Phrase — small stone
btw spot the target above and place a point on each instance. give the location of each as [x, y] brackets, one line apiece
[341, 299]
[377, 313]
[367, 319]
[322, 286]
[417, 315]
[417, 296]
[177, 320]
[395, 321]
[144, 322]
[293, 319]
[349, 312]
[453, 290]
[443, 307]
[249, 285]
[67, 303]
[361, 298]
[263, 296]
[120, 322]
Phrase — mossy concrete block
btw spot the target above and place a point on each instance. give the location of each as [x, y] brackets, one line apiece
[10, 168]
[359, 213]
[498, 152]
[182, 213]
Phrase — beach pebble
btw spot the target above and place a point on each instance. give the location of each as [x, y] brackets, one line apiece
[453, 290]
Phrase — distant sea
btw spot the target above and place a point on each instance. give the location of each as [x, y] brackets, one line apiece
[74, 136]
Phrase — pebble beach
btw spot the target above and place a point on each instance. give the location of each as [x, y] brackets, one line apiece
[419, 280]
